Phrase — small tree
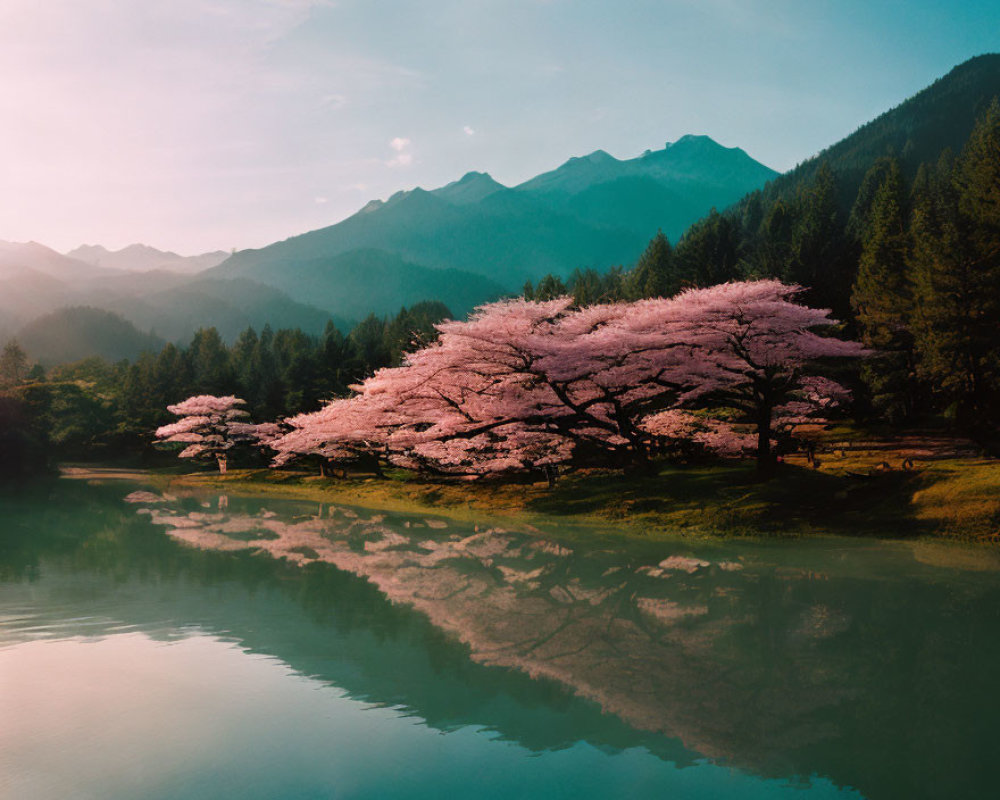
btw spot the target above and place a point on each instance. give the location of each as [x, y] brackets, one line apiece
[210, 427]
[13, 365]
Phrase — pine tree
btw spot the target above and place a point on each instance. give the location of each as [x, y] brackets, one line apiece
[654, 274]
[956, 268]
[709, 251]
[820, 257]
[882, 299]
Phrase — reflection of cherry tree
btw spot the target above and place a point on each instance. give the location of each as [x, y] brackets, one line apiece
[210, 427]
[523, 385]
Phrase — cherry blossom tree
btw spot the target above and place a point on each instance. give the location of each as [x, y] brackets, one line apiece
[211, 426]
[761, 353]
[522, 385]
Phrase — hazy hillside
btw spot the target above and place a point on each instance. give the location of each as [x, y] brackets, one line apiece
[231, 306]
[170, 304]
[594, 211]
[70, 334]
[19, 257]
[142, 258]
[377, 281]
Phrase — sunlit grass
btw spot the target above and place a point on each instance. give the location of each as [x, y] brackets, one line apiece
[857, 492]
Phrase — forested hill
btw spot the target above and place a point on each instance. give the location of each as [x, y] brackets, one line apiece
[71, 334]
[915, 132]
[594, 211]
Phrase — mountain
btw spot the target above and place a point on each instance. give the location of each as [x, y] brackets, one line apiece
[70, 334]
[142, 258]
[171, 305]
[690, 162]
[231, 306]
[916, 131]
[594, 211]
[371, 280]
[19, 257]
[470, 188]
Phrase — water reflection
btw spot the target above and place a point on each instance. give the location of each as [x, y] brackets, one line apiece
[855, 661]
[847, 660]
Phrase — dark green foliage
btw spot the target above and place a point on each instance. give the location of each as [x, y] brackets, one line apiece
[709, 252]
[654, 275]
[548, 288]
[956, 275]
[13, 364]
[24, 447]
[882, 296]
[95, 407]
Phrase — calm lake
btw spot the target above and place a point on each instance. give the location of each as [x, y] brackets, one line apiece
[198, 646]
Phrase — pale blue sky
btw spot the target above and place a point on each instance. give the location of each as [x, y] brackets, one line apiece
[203, 124]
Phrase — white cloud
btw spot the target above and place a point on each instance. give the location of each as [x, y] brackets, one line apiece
[469, 131]
[321, 200]
[403, 157]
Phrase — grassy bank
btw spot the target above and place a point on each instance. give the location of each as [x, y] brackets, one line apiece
[873, 492]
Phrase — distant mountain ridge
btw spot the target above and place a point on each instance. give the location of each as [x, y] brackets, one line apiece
[594, 211]
[143, 258]
[20, 257]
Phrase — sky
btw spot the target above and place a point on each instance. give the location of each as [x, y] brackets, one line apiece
[195, 125]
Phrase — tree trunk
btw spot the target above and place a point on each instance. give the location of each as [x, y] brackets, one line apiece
[550, 475]
[765, 457]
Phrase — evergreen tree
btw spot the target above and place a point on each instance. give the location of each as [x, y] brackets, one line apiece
[771, 252]
[882, 299]
[339, 365]
[550, 287]
[654, 274]
[209, 360]
[956, 267]
[709, 251]
[370, 340]
[820, 256]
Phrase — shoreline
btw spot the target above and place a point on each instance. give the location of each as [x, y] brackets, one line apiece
[950, 499]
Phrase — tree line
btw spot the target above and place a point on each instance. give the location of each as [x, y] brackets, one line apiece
[95, 408]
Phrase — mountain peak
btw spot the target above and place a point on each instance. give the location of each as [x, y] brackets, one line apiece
[470, 188]
[599, 157]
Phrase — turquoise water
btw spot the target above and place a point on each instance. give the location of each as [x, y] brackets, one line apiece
[201, 646]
